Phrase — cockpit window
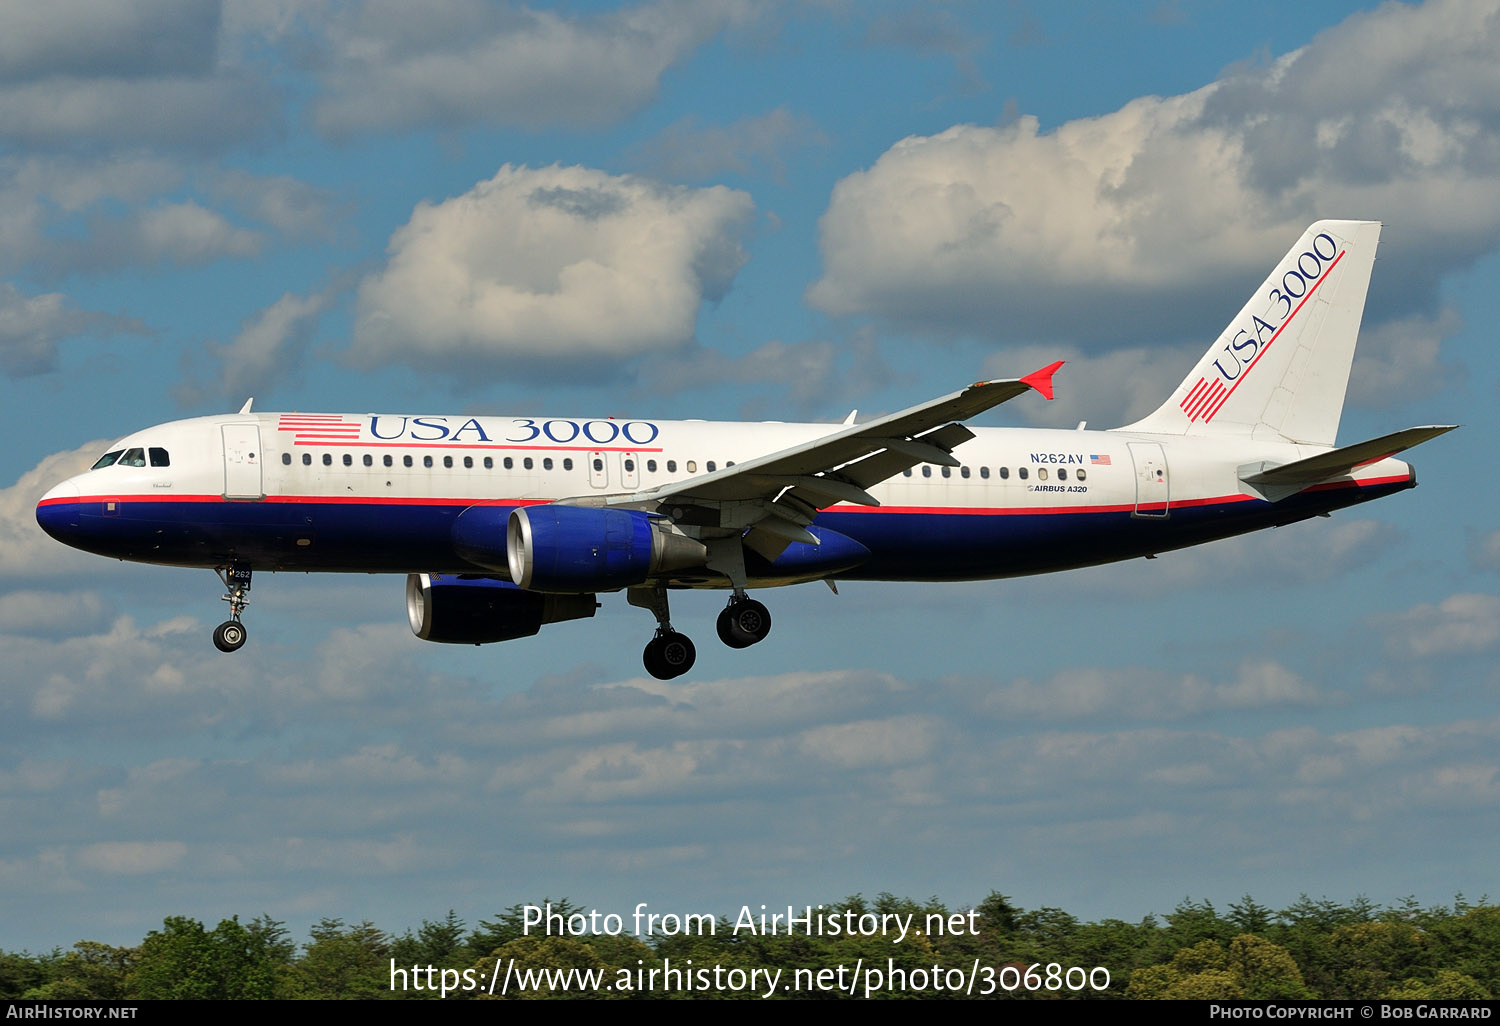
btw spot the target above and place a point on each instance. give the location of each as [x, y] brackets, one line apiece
[159, 457]
[133, 458]
[108, 459]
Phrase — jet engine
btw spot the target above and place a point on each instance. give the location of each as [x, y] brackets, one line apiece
[480, 610]
[570, 549]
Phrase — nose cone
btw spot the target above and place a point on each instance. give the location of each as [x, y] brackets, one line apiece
[57, 512]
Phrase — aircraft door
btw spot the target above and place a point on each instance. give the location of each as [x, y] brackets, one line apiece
[1152, 483]
[242, 461]
[598, 470]
[630, 471]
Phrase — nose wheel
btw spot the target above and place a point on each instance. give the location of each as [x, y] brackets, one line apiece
[743, 622]
[229, 636]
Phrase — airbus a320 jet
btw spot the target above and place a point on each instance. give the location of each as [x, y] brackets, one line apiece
[506, 524]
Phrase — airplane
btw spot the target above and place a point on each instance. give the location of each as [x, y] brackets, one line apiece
[506, 524]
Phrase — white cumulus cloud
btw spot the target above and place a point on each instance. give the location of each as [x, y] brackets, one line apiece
[392, 64]
[553, 264]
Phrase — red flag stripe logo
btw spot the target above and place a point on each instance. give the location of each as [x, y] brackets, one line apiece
[316, 427]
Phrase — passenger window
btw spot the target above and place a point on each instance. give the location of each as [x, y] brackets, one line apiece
[286, 459]
[489, 463]
[159, 457]
[468, 463]
[448, 462]
[567, 464]
[109, 459]
[926, 470]
[1082, 476]
[984, 472]
[328, 459]
[369, 460]
[510, 464]
[598, 464]
[728, 464]
[692, 466]
[630, 467]
[546, 462]
[906, 472]
[307, 459]
[427, 462]
[406, 461]
[133, 458]
[387, 460]
[1041, 474]
[671, 466]
[651, 466]
[711, 467]
[527, 463]
[1062, 473]
[1021, 473]
[963, 471]
[947, 471]
[1004, 473]
[348, 460]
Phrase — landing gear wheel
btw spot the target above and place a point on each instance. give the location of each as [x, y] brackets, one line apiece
[229, 636]
[743, 623]
[669, 655]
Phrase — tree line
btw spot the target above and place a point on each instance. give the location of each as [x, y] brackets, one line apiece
[1316, 949]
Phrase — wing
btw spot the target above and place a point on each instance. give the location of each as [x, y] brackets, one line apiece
[778, 495]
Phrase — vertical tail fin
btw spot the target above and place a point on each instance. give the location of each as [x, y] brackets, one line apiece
[1279, 371]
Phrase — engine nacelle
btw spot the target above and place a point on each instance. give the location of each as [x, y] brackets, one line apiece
[480, 610]
[571, 549]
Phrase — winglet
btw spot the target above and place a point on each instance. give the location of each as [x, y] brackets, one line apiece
[1042, 380]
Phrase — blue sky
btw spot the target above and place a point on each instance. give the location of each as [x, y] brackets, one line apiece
[754, 210]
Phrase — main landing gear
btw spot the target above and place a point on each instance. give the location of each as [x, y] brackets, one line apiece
[230, 635]
[743, 622]
[670, 654]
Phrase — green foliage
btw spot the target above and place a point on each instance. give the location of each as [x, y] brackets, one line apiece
[343, 962]
[1249, 916]
[183, 960]
[1251, 967]
[21, 972]
[440, 944]
[1446, 985]
[90, 972]
[1265, 970]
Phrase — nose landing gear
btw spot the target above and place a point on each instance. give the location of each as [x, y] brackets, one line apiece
[229, 636]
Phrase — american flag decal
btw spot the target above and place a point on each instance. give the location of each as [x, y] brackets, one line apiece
[1204, 399]
[318, 427]
[1099, 461]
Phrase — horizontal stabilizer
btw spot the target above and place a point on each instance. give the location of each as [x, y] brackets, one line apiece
[1338, 462]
